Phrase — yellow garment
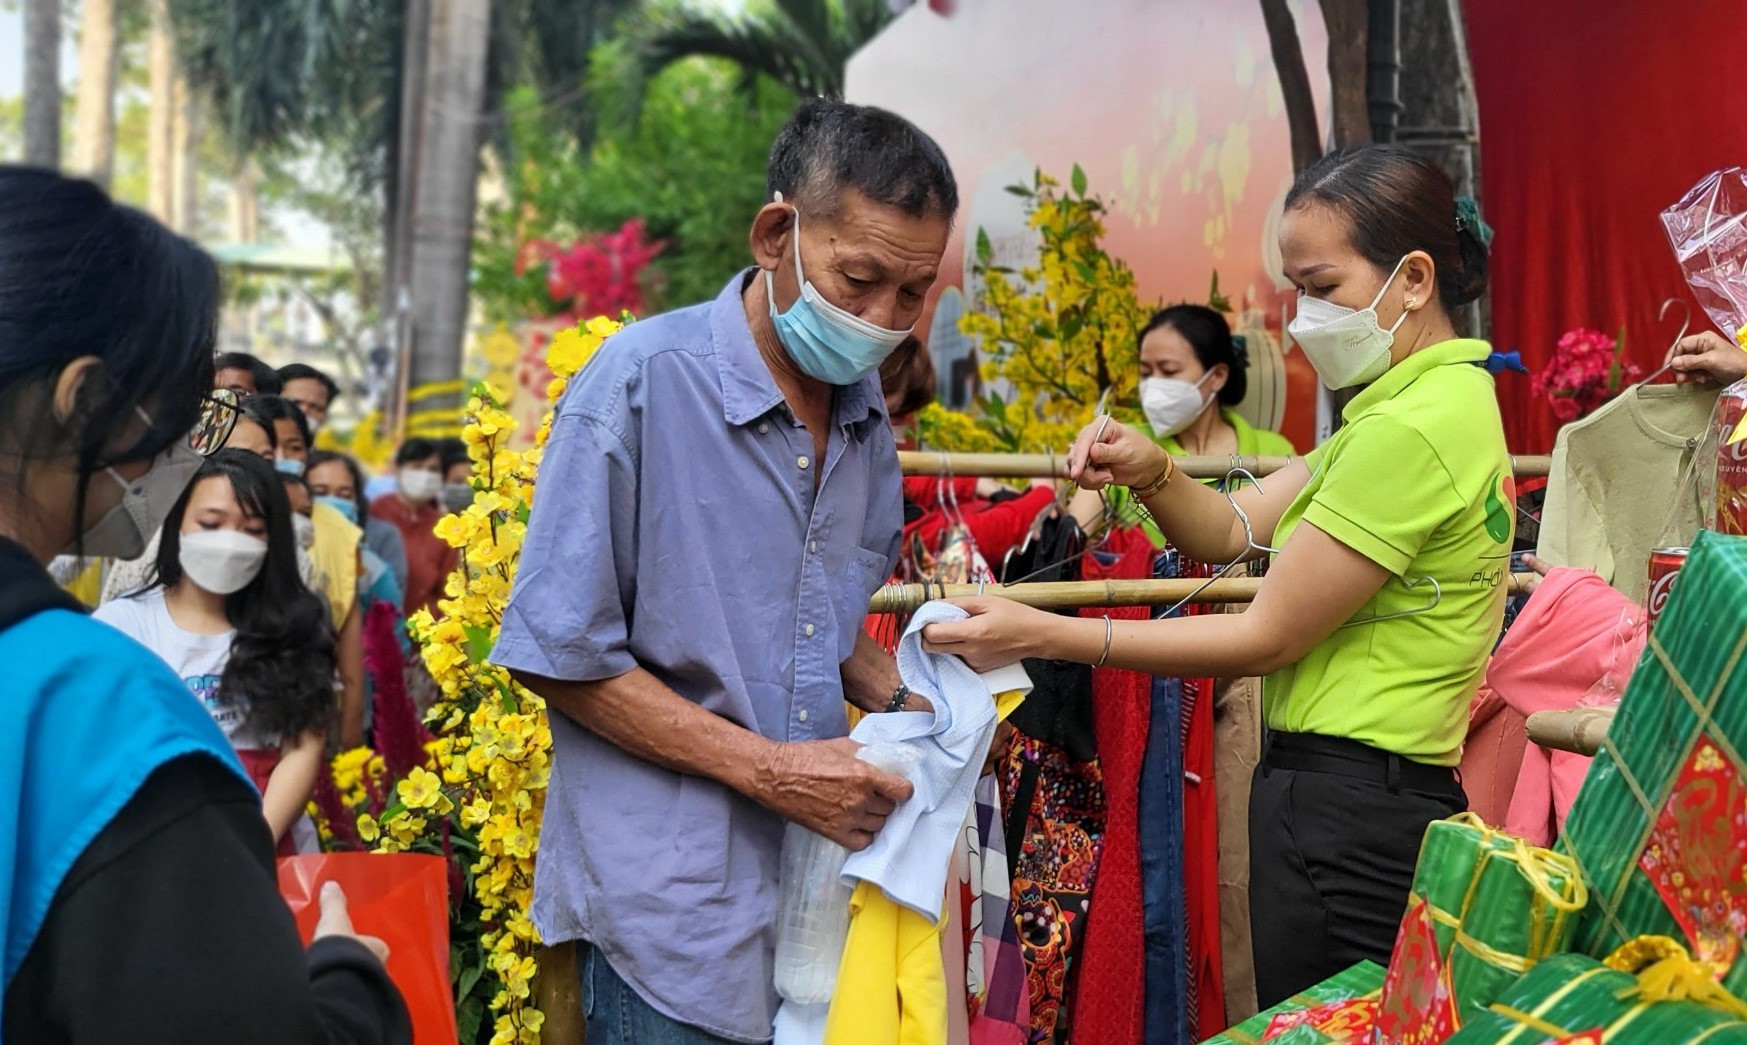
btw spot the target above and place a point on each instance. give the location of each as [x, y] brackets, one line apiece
[891, 983]
[87, 584]
[335, 556]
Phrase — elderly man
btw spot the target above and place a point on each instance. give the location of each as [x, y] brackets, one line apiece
[718, 502]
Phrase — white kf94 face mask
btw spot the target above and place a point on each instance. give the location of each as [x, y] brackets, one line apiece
[1171, 403]
[1347, 346]
[222, 561]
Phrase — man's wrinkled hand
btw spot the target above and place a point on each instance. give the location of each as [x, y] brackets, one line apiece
[824, 787]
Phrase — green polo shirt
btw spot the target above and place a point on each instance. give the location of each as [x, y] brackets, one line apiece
[1418, 481]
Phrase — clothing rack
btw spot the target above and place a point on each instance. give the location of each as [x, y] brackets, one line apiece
[905, 599]
[1046, 466]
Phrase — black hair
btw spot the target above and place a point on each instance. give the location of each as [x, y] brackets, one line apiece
[266, 379]
[277, 408]
[252, 408]
[321, 457]
[300, 371]
[1210, 336]
[281, 666]
[83, 276]
[828, 146]
[452, 452]
[1397, 202]
[417, 448]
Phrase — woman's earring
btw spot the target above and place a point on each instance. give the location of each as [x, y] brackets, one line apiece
[1412, 301]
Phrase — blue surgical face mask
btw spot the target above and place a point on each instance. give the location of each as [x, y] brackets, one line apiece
[289, 465]
[349, 509]
[826, 342]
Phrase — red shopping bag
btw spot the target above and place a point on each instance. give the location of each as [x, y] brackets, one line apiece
[402, 898]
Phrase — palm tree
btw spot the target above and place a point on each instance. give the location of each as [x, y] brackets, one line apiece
[42, 82]
[94, 109]
[801, 44]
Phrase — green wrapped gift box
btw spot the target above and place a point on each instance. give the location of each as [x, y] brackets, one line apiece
[1572, 997]
[1659, 825]
[1485, 908]
[1361, 982]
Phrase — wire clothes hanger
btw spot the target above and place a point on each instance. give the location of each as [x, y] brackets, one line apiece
[1668, 357]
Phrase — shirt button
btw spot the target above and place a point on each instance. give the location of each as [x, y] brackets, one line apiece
[813, 547]
[802, 461]
[809, 631]
[763, 428]
[803, 715]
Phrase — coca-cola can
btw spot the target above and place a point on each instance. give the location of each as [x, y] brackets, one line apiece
[1731, 470]
[1665, 564]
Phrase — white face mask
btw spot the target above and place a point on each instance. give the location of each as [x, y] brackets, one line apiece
[1346, 346]
[124, 530]
[420, 486]
[1172, 403]
[222, 561]
[304, 527]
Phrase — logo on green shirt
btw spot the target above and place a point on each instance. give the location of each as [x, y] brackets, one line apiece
[1500, 500]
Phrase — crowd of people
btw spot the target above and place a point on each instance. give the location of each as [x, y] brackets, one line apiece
[721, 497]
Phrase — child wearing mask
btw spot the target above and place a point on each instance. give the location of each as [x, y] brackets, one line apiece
[229, 614]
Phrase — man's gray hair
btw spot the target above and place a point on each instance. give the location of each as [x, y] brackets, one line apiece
[829, 146]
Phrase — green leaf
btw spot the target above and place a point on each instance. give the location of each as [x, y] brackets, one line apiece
[1023, 191]
[469, 977]
[984, 249]
[393, 812]
[522, 513]
[1072, 324]
[469, 1017]
[478, 642]
[1078, 181]
[1085, 271]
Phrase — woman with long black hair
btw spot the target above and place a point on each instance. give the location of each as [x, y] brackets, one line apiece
[229, 614]
[141, 903]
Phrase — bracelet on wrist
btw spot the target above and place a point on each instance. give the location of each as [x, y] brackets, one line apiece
[900, 697]
[1164, 478]
[1109, 633]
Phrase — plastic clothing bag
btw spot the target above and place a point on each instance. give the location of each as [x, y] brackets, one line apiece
[1708, 231]
[402, 898]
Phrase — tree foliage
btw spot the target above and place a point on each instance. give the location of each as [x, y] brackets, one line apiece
[1056, 338]
[692, 167]
[801, 44]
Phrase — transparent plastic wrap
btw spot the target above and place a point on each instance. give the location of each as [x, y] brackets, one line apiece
[1708, 231]
[812, 920]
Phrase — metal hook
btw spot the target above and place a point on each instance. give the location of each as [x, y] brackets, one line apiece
[1410, 585]
[1685, 324]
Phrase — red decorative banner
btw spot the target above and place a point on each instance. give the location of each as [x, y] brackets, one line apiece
[1342, 1021]
[1693, 856]
[1418, 1007]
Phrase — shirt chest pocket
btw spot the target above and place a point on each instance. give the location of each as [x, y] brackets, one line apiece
[865, 572]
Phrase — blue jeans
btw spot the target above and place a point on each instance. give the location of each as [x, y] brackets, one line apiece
[618, 1015]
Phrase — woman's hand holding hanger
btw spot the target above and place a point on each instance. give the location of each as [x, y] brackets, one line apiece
[1109, 452]
[1708, 356]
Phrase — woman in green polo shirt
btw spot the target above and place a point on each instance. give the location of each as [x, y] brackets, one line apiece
[1388, 583]
[1190, 364]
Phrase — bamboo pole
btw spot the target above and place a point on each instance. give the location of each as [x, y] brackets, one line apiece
[1068, 595]
[1043, 466]
[1579, 730]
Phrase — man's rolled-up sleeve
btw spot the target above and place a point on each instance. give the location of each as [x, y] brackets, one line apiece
[568, 615]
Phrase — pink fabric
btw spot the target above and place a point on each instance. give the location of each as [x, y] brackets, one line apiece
[1565, 640]
[1492, 755]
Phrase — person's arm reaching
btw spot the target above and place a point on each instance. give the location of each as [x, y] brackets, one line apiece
[292, 780]
[819, 784]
